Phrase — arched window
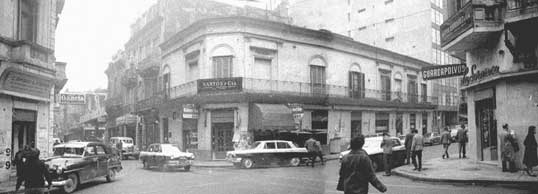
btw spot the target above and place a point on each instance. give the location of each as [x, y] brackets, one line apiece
[317, 75]
[222, 56]
[356, 82]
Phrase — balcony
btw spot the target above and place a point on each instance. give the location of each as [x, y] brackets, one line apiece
[473, 25]
[519, 10]
[149, 66]
[301, 91]
[151, 102]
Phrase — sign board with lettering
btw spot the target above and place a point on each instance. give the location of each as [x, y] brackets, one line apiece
[190, 111]
[71, 98]
[26, 83]
[443, 71]
[220, 84]
[478, 75]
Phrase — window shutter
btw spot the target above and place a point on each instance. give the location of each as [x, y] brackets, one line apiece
[362, 85]
[350, 85]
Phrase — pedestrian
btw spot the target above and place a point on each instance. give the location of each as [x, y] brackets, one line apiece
[314, 150]
[119, 147]
[530, 158]
[408, 143]
[356, 170]
[35, 174]
[387, 145]
[462, 139]
[417, 147]
[19, 163]
[34, 149]
[445, 140]
[508, 149]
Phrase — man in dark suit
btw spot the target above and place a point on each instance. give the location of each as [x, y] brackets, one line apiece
[462, 138]
[408, 143]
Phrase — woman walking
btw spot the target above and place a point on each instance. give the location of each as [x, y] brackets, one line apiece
[530, 158]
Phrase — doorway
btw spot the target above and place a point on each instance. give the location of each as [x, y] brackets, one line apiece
[23, 129]
[221, 138]
[487, 129]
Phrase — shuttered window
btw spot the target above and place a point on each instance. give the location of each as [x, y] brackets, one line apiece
[222, 67]
[356, 84]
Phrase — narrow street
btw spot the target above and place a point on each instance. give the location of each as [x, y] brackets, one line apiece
[307, 180]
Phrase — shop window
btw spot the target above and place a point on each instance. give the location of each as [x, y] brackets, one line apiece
[381, 122]
[190, 134]
[222, 67]
[320, 119]
[28, 20]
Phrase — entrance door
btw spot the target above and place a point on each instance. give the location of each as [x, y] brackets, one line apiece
[487, 128]
[221, 138]
[23, 129]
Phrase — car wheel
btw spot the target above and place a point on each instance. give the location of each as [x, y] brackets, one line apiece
[248, 163]
[71, 186]
[295, 161]
[111, 176]
[187, 168]
[145, 164]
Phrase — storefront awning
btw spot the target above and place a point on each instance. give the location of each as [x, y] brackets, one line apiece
[271, 117]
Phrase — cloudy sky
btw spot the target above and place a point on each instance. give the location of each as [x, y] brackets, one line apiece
[90, 32]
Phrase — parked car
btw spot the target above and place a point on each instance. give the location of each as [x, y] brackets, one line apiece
[268, 152]
[75, 163]
[128, 147]
[166, 156]
[372, 146]
[432, 138]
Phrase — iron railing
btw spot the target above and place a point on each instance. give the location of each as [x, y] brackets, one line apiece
[252, 85]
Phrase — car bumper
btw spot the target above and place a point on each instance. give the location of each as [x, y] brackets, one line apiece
[234, 160]
[59, 183]
[178, 163]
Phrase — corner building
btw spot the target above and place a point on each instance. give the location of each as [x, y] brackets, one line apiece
[498, 40]
[232, 80]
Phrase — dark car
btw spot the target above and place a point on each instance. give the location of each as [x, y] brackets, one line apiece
[268, 152]
[432, 138]
[75, 163]
[165, 156]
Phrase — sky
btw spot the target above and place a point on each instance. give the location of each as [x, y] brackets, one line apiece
[90, 32]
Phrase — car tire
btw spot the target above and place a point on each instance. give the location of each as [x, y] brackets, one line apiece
[187, 168]
[145, 164]
[70, 188]
[247, 163]
[111, 176]
[295, 161]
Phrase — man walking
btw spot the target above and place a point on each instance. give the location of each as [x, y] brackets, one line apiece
[416, 147]
[35, 173]
[462, 138]
[356, 170]
[314, 149]
[509, 148]
[408, 143]
[19, 162]
[387, 145]
[445, 140]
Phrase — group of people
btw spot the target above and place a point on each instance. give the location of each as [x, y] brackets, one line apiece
[30, 170]
[510, 146]
[461, 138]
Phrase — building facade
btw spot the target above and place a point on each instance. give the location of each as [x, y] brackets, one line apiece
[498, 40]
[28, 77]
[234, 80]
[406, 27]
[136, 95]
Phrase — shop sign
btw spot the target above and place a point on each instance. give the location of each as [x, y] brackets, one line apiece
[70, 98]
[27, 84]
[443, 71]
[190, 111]
[295, 108]
[477, 75]
[220, 84]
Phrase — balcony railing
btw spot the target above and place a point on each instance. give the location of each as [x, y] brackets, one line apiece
[472, 15]
[152, 101]
[251, 85]
[518, 8]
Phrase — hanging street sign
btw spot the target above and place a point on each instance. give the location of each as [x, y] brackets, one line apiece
[444, 71]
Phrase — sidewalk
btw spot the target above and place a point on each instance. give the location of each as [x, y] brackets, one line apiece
[456, 170]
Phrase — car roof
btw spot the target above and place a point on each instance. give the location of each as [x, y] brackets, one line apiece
[264, 141]
[78, 144]
[121, 138]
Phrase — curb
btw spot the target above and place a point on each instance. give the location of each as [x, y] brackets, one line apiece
[465, 181]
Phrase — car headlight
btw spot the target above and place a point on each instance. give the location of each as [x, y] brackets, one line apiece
[59, 171]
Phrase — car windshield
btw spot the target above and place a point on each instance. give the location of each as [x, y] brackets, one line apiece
[69, 151]
[173, 149]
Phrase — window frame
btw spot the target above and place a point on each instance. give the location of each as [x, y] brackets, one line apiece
[33, 15]
[224, 72]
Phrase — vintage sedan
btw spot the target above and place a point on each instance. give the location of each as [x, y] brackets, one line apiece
[268, 152]
[372, 146]
[165, 156]
[75, 163]
[432, 138]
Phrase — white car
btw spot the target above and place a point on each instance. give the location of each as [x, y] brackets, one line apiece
[268, 152]
[372, 146]
[128, 147]
[165, 156]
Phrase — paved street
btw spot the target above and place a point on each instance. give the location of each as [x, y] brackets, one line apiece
[307, 180]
